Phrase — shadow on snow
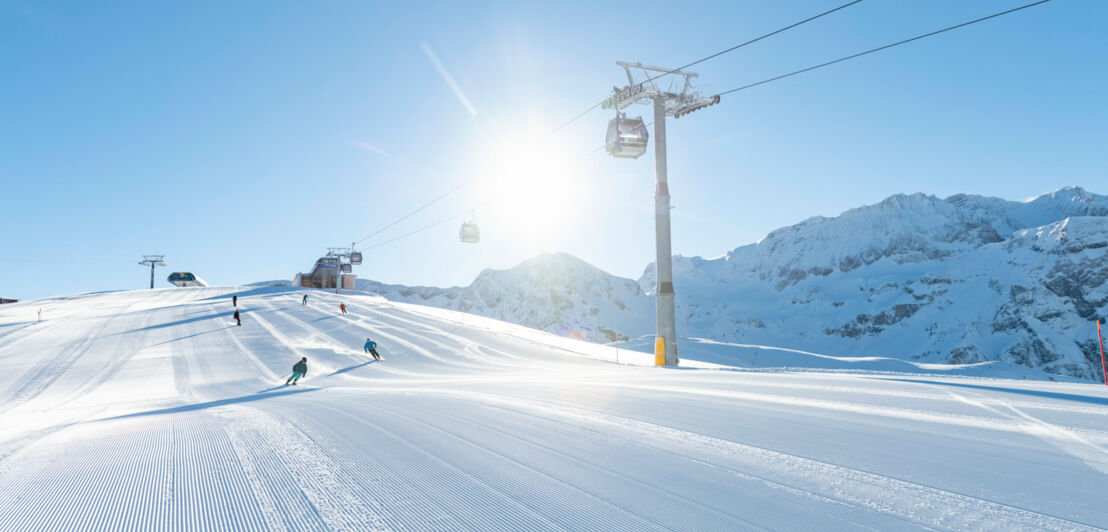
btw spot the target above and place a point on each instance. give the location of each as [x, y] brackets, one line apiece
[209, 404]
[349, 368]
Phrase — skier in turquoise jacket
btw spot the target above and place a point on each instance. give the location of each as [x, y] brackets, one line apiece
[300, 369]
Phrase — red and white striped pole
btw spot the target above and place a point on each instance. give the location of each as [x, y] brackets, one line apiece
[1100, 339]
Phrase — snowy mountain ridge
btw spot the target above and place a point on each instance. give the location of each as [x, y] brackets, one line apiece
[557, 293]
[964, 279]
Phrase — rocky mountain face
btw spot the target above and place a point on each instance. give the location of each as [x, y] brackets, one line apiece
[958, 280]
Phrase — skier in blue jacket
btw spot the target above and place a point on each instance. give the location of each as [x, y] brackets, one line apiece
[371, 348]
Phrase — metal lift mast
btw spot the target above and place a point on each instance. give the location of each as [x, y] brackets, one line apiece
[678, 99]
[152, 261]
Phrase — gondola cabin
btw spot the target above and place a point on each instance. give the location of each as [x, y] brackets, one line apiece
[627, 137]
[470, 233]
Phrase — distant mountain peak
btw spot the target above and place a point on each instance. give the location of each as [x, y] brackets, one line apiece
[1071, 193]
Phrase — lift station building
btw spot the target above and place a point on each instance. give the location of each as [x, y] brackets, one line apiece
[326, 274]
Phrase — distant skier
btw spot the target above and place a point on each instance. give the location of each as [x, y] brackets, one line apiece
[342, 307]
[300, 369]
[237, 318]
[235, 300]
[371, 348]
[305, 300]
[40, 315]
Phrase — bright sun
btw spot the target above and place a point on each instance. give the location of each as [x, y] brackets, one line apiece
[528, 188]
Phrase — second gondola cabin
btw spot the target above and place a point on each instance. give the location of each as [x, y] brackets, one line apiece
[470, 233]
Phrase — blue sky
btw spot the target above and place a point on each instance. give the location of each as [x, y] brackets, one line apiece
[241, 139]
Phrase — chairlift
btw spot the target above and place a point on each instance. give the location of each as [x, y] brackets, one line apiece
[355, 257]
[627, 137]
[470, 233]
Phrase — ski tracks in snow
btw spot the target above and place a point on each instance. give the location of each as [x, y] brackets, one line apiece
[295, 482]
[913, 502]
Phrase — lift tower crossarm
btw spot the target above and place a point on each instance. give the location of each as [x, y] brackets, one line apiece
[677, 103]
[152, 261]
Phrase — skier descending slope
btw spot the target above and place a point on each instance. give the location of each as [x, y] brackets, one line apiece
[305, 300]
[371, 348]
[237, 319]
[300, 369]
[342, 307]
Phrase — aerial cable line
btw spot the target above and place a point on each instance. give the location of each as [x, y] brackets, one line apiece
[579, 115]
[717, 54]
[420, 230]
[840, 60]
[410, 214]
[878, 49]
[751, 41]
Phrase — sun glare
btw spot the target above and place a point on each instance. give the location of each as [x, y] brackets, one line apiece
[529, 188]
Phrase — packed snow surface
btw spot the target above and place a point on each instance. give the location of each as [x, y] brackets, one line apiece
[151, 410]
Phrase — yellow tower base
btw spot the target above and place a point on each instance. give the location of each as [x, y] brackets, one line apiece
[659, 351]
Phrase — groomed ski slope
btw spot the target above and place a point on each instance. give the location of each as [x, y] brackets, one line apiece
[150, 410]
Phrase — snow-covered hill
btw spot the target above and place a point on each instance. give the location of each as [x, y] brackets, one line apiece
[152, 410]
[958, 280]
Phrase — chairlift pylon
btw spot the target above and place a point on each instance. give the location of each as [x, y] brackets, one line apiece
[627, 137]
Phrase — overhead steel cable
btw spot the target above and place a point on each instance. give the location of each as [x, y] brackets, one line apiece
[717, 54]
[751, 41]
[579, 115]
[420, 230]
[887, 46]
[410, 214]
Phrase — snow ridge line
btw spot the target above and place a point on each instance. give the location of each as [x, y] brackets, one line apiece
[911, 501]
[1006, 425]
[417, 310]
[1061, 437]
[470, 348]
[941, 396]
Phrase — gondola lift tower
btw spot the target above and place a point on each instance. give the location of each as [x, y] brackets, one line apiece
[627, 138]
